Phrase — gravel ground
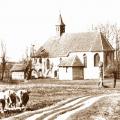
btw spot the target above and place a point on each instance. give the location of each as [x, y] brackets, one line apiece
[107, 108]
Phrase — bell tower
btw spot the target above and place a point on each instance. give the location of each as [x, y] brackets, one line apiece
[60, 26]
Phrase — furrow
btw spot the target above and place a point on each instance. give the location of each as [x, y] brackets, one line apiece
[84, 105]
[57, 110]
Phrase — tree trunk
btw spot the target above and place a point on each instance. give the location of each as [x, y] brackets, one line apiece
[114, 81]
[3, 71]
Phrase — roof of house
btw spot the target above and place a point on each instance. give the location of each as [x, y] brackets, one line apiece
[75, 42]
[73, 61]
[18, 67]
[41, 53]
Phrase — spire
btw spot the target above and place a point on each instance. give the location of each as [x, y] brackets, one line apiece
[60, 26]
[60, 21]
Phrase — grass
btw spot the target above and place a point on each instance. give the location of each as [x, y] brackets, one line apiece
[46, 92]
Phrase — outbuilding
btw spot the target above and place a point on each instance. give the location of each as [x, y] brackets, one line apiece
[71, 68]
[18, 72]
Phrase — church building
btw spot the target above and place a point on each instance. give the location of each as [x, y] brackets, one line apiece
[72, 56]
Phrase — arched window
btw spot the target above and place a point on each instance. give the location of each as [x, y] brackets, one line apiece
[96, 59]
[85, 60]
[40, 60]
[48, 64]
[55, 73]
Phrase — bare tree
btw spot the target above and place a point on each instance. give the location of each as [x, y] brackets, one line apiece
[28, 63]
[28, 69]
[112, 34]
[3, 60]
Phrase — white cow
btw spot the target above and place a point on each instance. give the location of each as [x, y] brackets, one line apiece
[23, 97]
[10, 98]
[2, 101]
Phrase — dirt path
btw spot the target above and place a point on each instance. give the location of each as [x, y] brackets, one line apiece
[62, 110]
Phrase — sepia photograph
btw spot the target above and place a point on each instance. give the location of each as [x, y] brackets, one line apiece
[59, 60]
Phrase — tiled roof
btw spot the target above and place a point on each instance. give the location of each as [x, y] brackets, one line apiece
[41, 53]
[76, 42]
[71, 61]
[18, 67]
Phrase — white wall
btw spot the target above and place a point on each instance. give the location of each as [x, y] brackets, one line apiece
[90, 72]
[18, 75]
[65, 75]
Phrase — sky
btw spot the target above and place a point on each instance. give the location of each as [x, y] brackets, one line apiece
[24, 23]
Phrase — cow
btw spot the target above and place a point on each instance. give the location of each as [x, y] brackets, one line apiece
[10, 98]
[2, 101]
[7, 97]
[23, 97]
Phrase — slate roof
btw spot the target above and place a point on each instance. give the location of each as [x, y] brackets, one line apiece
[76, 42]
[73, 61]
[18, 67]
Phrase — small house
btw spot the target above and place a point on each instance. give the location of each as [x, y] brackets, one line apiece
[71, 68]
[18, 71]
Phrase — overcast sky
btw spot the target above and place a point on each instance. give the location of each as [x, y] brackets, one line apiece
[27, 22]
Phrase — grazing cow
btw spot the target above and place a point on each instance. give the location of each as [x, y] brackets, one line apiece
[10, 98]
[2, 101]
[23, 97]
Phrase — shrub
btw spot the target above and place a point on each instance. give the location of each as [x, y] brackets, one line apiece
[111, 71]
[111, 68]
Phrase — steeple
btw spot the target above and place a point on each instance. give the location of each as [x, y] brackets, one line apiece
[60, 26]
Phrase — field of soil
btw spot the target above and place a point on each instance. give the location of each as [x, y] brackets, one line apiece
[47, 92]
